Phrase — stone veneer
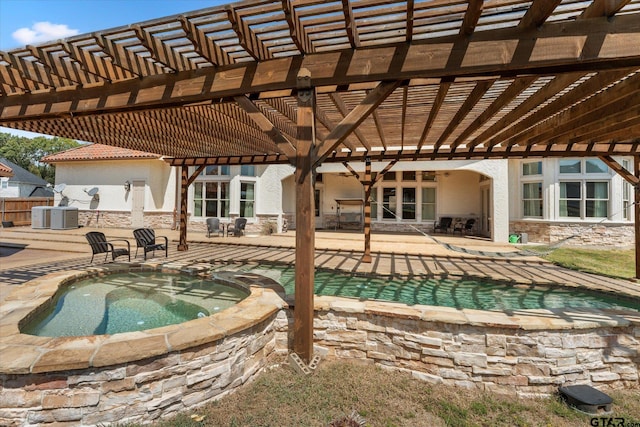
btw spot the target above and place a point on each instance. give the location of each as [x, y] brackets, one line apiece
[142, 376]
[614, 235]
[526, 352]
[133, 376]
[162, 220]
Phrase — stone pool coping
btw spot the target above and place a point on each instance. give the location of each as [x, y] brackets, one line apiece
[24, 354]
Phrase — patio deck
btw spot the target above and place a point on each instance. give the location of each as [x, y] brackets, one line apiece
[26, 253]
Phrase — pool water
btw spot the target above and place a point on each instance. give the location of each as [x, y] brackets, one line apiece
[454, 292]
[132, 301]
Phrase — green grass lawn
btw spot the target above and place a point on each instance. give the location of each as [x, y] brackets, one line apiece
[280, 397]
[608, 262]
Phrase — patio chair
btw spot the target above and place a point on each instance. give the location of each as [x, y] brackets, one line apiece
[146, 239]
[213, 226]
[444, 225]
[100, 245]
[464, 228]
[237, 228]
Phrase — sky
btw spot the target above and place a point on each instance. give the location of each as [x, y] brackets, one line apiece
[25, 22]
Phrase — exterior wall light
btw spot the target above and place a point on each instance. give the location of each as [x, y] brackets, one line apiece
[127, 186]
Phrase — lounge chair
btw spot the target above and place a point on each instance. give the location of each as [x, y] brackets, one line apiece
[213, 226]
[466, 227]
[146, 239]
[444, 225]
[237, 228]
[100, 245]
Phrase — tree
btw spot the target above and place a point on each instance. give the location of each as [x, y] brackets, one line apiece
[28, 152]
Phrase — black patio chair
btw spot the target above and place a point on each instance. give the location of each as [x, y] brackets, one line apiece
[237, 228]
[444, 225]
[146, 239]
[466, 227]
[213, 226]
[100, 245]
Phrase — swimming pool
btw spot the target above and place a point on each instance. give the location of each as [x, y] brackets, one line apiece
[131, 301]
[452, 291]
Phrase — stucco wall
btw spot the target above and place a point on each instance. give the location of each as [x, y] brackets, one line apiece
[109, 177]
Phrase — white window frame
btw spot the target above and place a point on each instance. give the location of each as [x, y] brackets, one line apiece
[219, 179]
[399, 185]
[584, 199]
[255, 193]
[524, 200]
[583, 178]
[531, 179]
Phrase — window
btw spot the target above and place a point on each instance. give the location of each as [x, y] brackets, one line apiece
[429, 203]
[626, 195]
[532, 200]
[408, 203]
[388, 203]
[626, 200]
[316, 202]
[570, 166]
[215, 170]
[532, 168]
[374, 203]
[428, 176]
[409, 175]
[248, 170]
[570, 199]
[596, 166]
[247, 199]
[389, 176]
[5, 183]
[211, 199]
[597, 202]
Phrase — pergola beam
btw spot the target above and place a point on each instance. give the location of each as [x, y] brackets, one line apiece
[620, 170]
[284, 145]
[617, 148]
[558, 48]
[354, 118]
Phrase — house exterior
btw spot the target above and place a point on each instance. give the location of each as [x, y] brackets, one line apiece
[550, 200]
[136, 189]
[16, 181]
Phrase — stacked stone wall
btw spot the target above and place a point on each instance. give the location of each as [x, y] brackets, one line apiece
[122, 219]
[161, 220]
[138, 391]
[574, 234]
[505, 360]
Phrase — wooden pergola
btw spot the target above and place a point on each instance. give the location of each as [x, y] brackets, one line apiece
[307, 82]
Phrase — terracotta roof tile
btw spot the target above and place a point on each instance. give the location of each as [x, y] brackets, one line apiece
[98, 152]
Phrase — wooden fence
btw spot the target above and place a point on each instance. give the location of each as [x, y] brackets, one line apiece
[18, 209]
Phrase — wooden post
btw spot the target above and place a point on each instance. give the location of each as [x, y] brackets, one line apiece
[305, 221]
[636, 171]
[367, 211]
[184, 185]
